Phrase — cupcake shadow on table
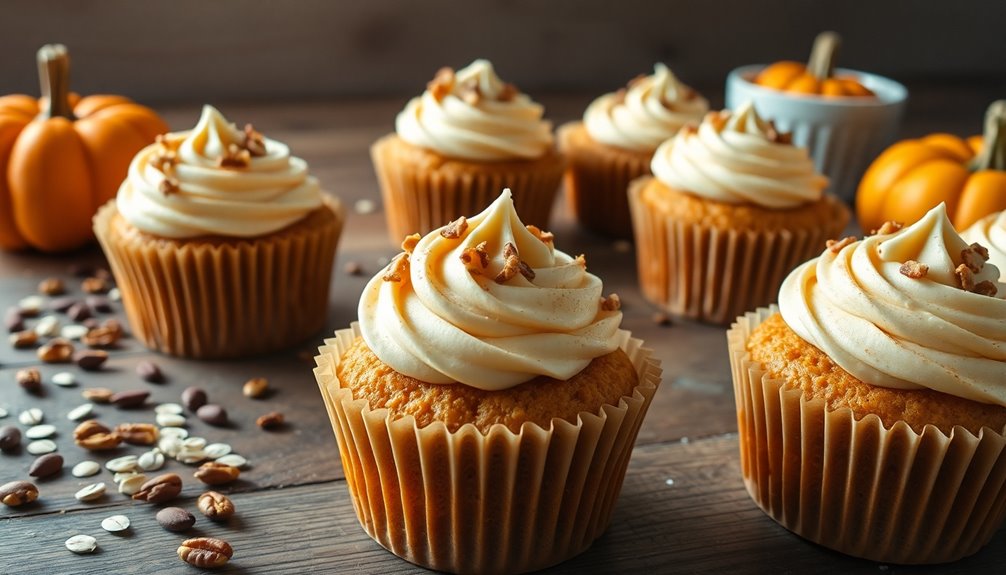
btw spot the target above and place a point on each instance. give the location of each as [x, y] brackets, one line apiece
[485, 446]
[870, 429]
[221, 243]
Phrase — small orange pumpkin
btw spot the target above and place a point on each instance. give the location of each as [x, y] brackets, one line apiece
[63, 156]
[817, 77]
[912, 176]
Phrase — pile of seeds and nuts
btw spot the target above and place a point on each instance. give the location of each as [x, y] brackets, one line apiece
[65, 330]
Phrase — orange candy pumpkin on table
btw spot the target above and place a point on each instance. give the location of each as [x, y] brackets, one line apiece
[817, 76]
[913, 176]
[62, 156]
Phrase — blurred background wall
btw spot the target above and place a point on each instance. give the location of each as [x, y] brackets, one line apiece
[206, 50]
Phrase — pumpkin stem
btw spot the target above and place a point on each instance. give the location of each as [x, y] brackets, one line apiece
[821, 64]
[54, 78]
[993, 154]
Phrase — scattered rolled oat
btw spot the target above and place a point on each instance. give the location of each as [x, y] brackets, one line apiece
[914, 269]
[115, 523]
[81, 544]
[81, 412]
[31, 416]
[91, 492]
[41, 446]
[64, 379]
[85, 468]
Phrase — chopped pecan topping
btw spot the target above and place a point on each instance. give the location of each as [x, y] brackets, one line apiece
[974, 256]
[543, 236]
[717, 119]
[914, 269]
[409, 243]
[965, 277]
[513, 265]
[581, 261]
[469, 92]
[508, 93]
[234, 157]
[986, 287]
[254, 141]
[835, 246]
[476, 259]
[163, 158]
[774, 135]
[453, 230]
[620, 96]
[889, 227]
[611, 303]
[169, 186]
[441, 84]
[397, 269]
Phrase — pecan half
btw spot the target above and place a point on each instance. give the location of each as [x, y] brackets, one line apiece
[94, 436]
[137, 433]
[215, 506]
[160, 489]
[205, 552]
[213, 473]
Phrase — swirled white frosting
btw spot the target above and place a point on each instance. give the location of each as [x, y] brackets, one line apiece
[273, 191]
[651, 110]
[444, 324]
[891, 330]
[495, 124]
[990, 232]
[733, 157]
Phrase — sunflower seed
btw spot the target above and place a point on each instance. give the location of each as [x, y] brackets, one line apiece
[91, 492]
[85, 468]
[80, 412]
[40, 431]
[73, 331]
[189, 456]
[41, 446]
[120, 476]
[115, 523]
[170, 420]
[217, 450]
[233, 459]
[64, 379]
[170, 446]
[32, 416]
[132, 483]
[172, 408]
[82, 544]
[151, 460]
[48, 326]
[194, 443]
[124, 463]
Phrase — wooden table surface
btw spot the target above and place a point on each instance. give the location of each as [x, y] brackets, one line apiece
[683, 507]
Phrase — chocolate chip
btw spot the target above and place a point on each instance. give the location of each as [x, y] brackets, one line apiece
[148, 371]
[213, 414]
[46, 465]
[130, 399]
[79, 312]
[193, 398]
[175, 519]
[90, 360]
[10, 438]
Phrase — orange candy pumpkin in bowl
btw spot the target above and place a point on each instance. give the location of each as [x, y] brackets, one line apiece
[62, 156]
[913, 176]
[843, 117]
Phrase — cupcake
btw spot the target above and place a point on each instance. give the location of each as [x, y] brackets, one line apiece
[731, 208]
[990, 232]
[871, 410]
[614, 145]
[845, 118]
[486, 403]
[468, 136]
[221, 243]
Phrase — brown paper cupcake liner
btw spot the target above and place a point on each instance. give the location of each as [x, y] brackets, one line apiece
[422, 191]
[711, 274]
[224, 297]
[468, 502]
[597, 179]
[889, 495]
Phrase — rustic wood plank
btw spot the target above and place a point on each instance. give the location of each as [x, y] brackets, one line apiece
[702, 523]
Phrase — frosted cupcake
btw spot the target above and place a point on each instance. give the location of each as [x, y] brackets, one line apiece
[614, 145]
[731, 208]
[990, 232]
[455, 147]
[871, 411]
[221, 243]
[486, 403]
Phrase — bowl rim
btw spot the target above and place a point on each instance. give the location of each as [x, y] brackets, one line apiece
[889, 92]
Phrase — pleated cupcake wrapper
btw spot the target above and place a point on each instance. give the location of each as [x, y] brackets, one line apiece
[711, 274]
[890, 495]
[468, 502]
[419, 198]
[596, 181]
[200, 300]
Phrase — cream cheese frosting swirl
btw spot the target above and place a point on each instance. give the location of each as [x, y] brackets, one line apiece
[896, 329]
[473, 115]
[441, 323]
[737, 157]
[649, 111]
[212, 181]
[990, 232]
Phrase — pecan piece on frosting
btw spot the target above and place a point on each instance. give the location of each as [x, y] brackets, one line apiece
[512, 265]
[168, 186]
[234, 157]
[441, 84]
[476, 259]
[254, 141]
[986, 287]
[508, 93]
[965, 277]
[543, 236]
[611, 303]
[975, 256]
[835, 246]
[398, 269]
[914, 269]
[455, 229]
[889, 227]
[409, 243]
